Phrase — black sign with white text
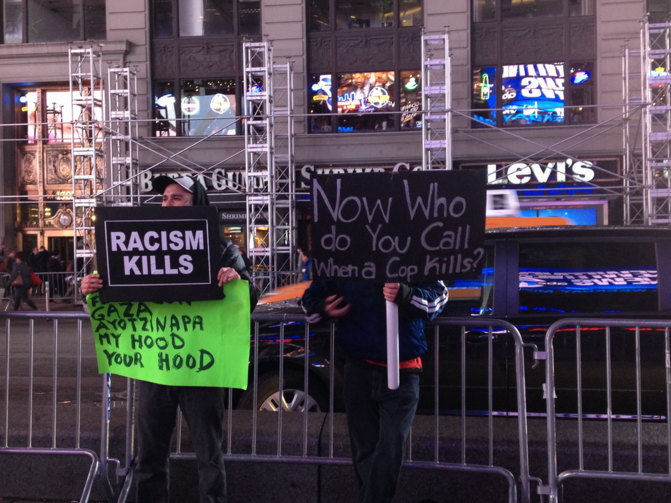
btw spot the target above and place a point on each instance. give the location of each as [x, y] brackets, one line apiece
[154, 254]
[400, 227]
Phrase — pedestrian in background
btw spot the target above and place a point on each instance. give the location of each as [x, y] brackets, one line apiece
[307, 266]
[55, 270]
[378, 418]
[21, 270]
[41, 260]
[299, 262]
[7, 267]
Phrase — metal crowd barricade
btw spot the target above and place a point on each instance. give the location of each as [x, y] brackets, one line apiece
[634, 329]
[56, 287]
[292, 334]
[19, 330]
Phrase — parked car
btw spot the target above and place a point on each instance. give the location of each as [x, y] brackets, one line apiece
[531, 278]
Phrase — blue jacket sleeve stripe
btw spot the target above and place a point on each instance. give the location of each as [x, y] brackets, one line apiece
[433, 306]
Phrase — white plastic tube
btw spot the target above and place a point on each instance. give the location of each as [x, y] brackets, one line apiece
[393, 379]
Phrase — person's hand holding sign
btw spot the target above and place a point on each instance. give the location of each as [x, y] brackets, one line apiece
[331, 307]
[91, 283]
[227, 274]
[390, 291]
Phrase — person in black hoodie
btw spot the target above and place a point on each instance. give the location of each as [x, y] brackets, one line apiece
[203, 407]
[21, 292]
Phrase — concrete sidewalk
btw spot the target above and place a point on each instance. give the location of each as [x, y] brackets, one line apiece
[282, 481]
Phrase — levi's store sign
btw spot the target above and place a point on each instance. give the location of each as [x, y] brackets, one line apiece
[566, 171]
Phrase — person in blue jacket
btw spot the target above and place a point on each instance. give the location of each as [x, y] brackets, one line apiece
[378, 418]
[307, 266]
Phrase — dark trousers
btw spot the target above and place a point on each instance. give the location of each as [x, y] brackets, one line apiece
[203, 409]
[379, 421]
[21, 294]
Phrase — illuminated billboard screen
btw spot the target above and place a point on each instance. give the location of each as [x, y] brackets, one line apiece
[370, 94]
[320, 103]
[533, 94]
[365, 92]
[484, 95]
[210, 114]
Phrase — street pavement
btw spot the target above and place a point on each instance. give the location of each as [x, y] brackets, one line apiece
[20, 500]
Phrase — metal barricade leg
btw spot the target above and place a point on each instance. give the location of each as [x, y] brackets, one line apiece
[104, 437]
[129, 461]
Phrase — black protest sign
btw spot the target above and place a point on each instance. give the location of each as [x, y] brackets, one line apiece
[400, 227]
[158, 254]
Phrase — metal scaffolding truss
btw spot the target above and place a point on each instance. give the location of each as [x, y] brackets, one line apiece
[269, 164]
[436, 103]
[647, 127]
[87, 147]
[123, 154]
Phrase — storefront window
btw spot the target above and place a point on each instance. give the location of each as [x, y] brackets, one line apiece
[581, 7]
[56, 111]
[321, 103]
[511, 9]
[660, 11]
[319, 18]
[484, 10]
[355, 14]
[250, 17]
[352, 14]
[31, 108]
[13, 17]
[411, 12]
[235, 235]
[54, 20]
[59, 116]
[366, 96]
[533, 94]
[163, 18]
[208, 107]
[29, 215]
[411, 100]
[165, 109]
[484, 95]
[95, 20]
[205, 18]
[581, 93]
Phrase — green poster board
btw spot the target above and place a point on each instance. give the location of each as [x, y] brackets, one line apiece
[202, 343]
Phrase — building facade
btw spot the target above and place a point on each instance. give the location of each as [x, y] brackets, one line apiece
[536, 95]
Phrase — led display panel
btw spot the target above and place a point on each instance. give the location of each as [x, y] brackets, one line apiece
[484, 95]
[533, 94]
[321, 103]
[411, 100]
[370, 93]
[208, 108]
